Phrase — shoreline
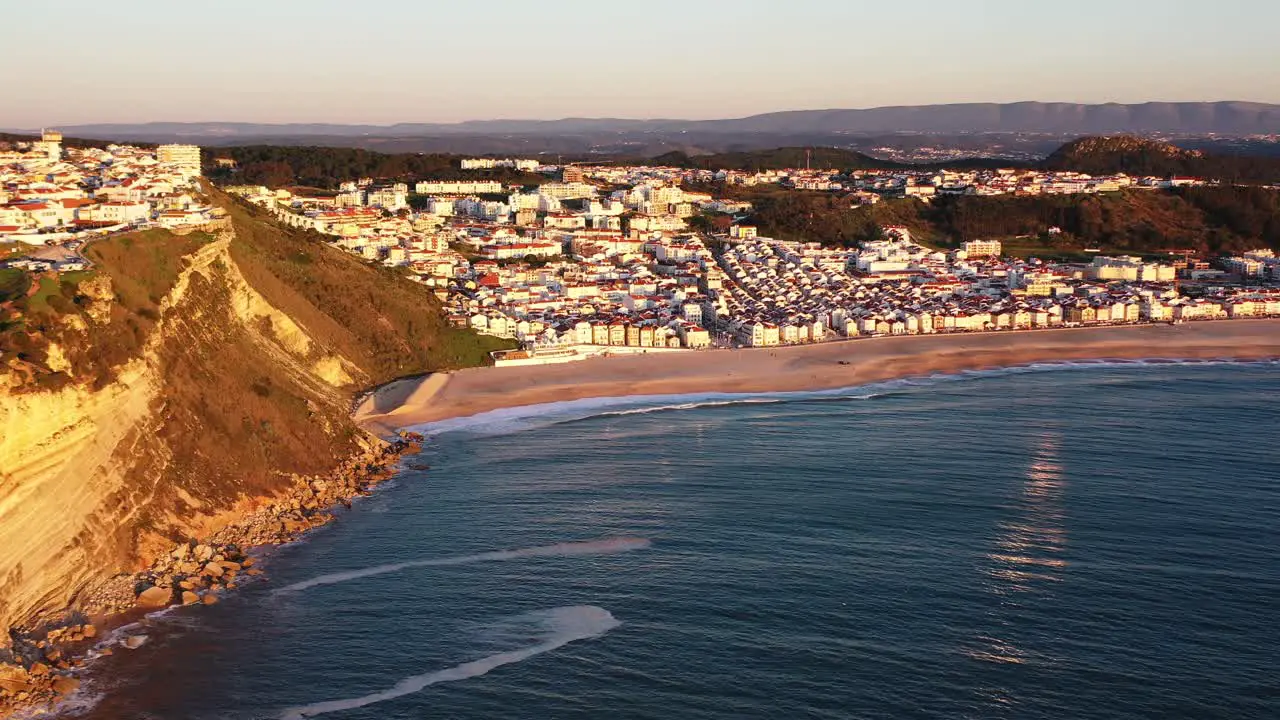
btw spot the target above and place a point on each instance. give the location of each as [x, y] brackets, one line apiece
[823, 366]
[64, 648]
[44, 665]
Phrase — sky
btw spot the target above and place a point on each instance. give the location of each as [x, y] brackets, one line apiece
[80, 61]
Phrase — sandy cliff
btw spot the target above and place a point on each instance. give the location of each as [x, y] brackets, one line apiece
[86, 487]
[232, 368]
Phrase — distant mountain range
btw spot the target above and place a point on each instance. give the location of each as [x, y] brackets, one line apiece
[1192, 118]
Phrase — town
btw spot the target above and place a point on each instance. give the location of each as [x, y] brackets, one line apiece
[608, 259]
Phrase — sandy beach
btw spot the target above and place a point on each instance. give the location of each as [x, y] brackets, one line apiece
[805, 367]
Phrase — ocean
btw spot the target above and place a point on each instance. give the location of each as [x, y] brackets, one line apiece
[1083, 541]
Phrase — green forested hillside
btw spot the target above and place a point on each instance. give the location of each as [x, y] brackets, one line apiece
[1210, 220]
[1139, 156]
[327, 167]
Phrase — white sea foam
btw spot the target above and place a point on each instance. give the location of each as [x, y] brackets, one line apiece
[506, 421]
[607, 546]
[559, 627]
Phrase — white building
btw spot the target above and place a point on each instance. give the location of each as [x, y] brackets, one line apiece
[982, 248]
[389, 199]
[1131, 269]
[458, 187]
[185, 159]
[49, 144]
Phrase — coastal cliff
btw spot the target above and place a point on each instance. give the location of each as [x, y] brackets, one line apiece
[180, 385]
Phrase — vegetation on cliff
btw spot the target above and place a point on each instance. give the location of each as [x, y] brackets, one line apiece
[374, 316]
[181, 377]
[82, 326]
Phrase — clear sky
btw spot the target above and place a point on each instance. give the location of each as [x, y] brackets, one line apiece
[76, 61]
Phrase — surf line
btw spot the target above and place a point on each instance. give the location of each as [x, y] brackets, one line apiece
[561, 626]
[608, 546]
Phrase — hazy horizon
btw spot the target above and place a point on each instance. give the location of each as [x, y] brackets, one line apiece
[322, 121]
[403, 62]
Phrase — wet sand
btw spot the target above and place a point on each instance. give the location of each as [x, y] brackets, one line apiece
[805, 367]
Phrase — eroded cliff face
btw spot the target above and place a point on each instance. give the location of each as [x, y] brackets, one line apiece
[181, 385]
[228, 396]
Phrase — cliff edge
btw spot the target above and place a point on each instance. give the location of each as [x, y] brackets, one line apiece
[180, 383]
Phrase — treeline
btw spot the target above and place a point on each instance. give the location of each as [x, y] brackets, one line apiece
[1141, 157]
[1211, 220]
[8, 141]
[1092, 155]
[828, 218]
[328, 167]
[818, 158]
[776, 159]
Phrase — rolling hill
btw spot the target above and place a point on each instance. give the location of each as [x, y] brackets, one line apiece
[1223, 118]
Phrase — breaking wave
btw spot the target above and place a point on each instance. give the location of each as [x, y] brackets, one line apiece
[558, 627]
[607, 546]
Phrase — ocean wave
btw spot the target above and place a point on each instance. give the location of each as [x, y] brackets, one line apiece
[607, 546]
[559, 627]
[506, 421]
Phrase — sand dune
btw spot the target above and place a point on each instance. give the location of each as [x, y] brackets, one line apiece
[805, 367]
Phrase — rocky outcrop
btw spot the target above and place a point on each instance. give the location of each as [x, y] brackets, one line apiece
[202, 408]
[39, 667]
[97, 483]
[92, 480]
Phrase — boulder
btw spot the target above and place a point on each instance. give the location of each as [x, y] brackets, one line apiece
[65, 685]
[133, 642]
[52, 654]
[14, 678]
[180, 553]
[89, 631]
[155, 597]
[228, 565]
[39, 669]
[189, 598]
[213, 569]
[209, 599]
[203, 553]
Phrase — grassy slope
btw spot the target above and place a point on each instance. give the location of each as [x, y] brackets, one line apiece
[375, 317]
[236, 418]
[141, 269]
[232, 415]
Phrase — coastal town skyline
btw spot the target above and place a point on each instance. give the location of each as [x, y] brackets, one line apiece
[576, 261]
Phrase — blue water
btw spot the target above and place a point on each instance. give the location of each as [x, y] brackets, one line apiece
[1097, 542]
